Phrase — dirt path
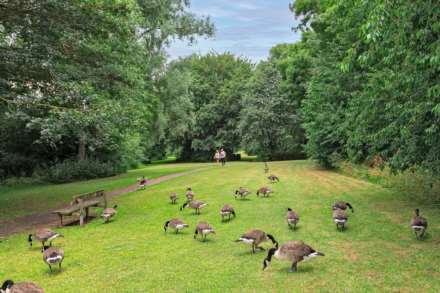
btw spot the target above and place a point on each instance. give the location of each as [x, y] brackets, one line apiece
[47, 219]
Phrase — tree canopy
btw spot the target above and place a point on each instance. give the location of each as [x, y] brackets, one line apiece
[78, 78]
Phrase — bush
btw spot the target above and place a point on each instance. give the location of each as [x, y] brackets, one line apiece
[15, 181]
[70, 170]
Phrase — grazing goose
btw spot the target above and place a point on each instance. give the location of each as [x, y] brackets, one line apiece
[242, 192]
[174, 198]
[176, 224]
[419, 224]
[189, 194]
[265, 191]
[292, 218]
[195, 204]
[255, 238]
[273, 178]
[22, 287]
[203, 229]
[340, 217]
[52, 256]
[294, 251]
[342, 205]
[44, 235]
[227, 210]
[108, 213]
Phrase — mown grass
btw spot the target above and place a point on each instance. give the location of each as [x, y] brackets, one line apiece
[34, 198]
[377, 253]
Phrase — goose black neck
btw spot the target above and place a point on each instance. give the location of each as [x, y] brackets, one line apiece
[273, 240]
[7, 284]
[270, 253]
[349, 205]
[166, 225]
[417, 212]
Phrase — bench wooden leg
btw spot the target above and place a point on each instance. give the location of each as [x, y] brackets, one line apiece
[81, 217]
[61, 219]
[87, 214]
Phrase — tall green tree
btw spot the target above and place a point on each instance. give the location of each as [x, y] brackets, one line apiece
[78, 77]
[204, 97]
[269, 124]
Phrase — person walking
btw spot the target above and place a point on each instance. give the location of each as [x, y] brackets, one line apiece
[217, 156]
[223, 157]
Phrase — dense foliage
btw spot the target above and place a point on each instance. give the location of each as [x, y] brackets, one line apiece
[78, 78]
[201, 99]
[269, 125]
[374, 89]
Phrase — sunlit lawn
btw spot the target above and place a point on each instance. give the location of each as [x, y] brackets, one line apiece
[29, 199]
[377, 253]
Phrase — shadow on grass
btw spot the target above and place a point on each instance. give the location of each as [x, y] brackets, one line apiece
[300, 270]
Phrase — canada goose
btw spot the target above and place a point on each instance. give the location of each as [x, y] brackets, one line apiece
[273, 178]
[173, 198]
[176, 224]
[292, 218]
[196, 205]
[44, 235]
[204, 229]
[52, 256]
[342, 205]
[294, 251]
[340, 217]
[265, 191]
[419, 224]
[22, 287]
[227, 210]
[242, 192]
[255, 238]
[142, 183]
[189, 194]
[108, 213]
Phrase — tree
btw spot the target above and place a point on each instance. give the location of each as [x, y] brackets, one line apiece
[84, 90]
[269, 123]
[204, 97]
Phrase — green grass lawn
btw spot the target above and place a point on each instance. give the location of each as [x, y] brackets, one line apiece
[27, 199]
[377, 253]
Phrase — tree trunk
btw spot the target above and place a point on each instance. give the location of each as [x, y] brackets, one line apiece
[266, 167]
[82, 147]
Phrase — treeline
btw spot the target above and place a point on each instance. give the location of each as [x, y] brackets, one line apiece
[79, 82]
[223, 101]
[372, 81]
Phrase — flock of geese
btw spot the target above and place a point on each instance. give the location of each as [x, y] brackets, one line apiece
[293, 251]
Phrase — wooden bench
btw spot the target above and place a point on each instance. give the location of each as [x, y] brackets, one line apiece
[81, 203]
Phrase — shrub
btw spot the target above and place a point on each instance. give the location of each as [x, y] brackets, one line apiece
[70, 170]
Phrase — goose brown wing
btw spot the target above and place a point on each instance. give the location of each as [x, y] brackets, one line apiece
[340, 215]
[26, 287]
[419, 221]
[174, 222]
[227, 208]
[292, 215]
[254, 234]
[44, 234]
[203, 226]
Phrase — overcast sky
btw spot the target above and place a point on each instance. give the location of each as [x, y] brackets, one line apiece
[244, 27]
